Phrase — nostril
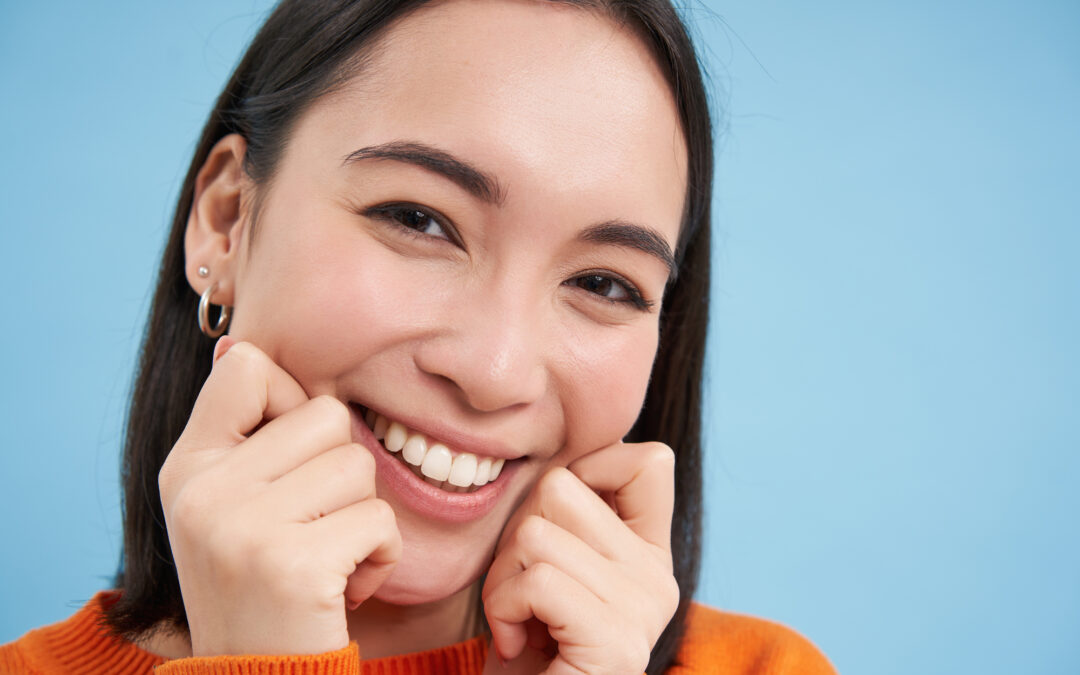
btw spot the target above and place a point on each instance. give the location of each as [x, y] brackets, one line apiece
[484, 372]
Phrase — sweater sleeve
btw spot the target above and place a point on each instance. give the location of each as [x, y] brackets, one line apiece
[720, 643]
[12, 661]
[345, 661]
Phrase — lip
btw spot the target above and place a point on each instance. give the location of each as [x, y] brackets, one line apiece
[421, 497]
[454, 438]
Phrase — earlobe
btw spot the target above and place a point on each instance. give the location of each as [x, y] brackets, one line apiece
[217, 220]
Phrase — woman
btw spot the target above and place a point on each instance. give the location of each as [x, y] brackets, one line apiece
[461, 253]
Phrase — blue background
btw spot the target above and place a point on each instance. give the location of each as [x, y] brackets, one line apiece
[894, 370]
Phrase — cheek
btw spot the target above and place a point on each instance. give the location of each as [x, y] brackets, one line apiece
[322, 299]
[608, 380]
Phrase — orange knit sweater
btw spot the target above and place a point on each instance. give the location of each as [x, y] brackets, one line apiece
[715, 642]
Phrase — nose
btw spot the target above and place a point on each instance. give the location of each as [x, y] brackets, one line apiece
[489, 351]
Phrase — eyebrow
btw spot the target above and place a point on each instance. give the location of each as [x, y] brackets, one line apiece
[486, 187]
[622, 233]
[474, 181]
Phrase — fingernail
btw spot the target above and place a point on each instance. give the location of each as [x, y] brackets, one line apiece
[223, 345]
[351, 604]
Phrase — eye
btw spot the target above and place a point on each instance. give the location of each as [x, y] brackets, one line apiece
[613, 289]
[605, 286]
[414, 219]
[418, 220]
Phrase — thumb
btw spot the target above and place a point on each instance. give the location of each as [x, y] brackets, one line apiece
[530, 662]
[244, 389]
[222, 346]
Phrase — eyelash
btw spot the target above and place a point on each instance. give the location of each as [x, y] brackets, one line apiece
[633, 295]
[393, 214]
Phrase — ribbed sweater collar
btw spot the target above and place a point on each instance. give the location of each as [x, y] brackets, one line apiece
[81, 645]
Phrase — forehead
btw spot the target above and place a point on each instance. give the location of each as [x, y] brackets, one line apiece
[564, 106]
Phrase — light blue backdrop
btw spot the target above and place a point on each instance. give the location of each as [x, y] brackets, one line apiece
[895, 377]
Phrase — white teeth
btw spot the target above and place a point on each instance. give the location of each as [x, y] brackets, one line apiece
[437, 465]
[395, 437]
[414, 451]
[463, 470]
[437, 462]
[380, 427]
[483, 471]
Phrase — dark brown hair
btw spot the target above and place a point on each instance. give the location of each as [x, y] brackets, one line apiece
[306, 49]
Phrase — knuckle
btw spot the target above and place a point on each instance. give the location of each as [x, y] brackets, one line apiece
[348, 463]
[363, 460]
[180, 526]
[532, 532]
[670, 597]
[188, 508]
[382, 512]
[244, 354]
[556, 481]
[245, 358]
[332, 410]
[178, 469]
[168, 477]
[660, 454]
[540, 576]
[488, 596]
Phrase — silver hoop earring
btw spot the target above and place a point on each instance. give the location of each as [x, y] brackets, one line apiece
[204, 314]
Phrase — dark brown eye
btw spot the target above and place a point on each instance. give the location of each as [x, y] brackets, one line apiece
[612, 288]
[413, 219]
[603, 286]
[423, 222]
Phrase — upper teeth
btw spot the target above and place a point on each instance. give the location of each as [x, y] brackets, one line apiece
[435, 460]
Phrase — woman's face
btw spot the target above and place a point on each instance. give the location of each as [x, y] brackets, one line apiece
[469, 239]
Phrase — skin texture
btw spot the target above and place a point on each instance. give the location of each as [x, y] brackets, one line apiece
[478, 324]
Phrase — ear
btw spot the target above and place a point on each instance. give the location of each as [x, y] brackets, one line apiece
[218, 220]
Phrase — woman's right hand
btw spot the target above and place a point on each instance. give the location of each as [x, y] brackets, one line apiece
[275, 528]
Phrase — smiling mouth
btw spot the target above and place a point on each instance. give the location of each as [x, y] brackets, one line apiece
[430, 459]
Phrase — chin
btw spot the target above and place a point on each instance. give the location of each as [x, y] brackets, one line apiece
[429, 572]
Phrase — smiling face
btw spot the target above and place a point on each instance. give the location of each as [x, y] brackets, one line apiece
[469, 239]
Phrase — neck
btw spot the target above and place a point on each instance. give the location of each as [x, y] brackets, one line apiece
[382, 629]
[379, 628]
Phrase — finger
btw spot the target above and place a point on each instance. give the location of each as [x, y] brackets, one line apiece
[641, 479]
[290, 440]
[529, 662]
[545, 592]
[561, 666]
[537, 636]
[244, 388]
[364, 538]
[224, 343]
[565, 500]
[538, 540]
[325, 483]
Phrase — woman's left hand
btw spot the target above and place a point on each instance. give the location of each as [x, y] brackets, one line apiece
[588, 582]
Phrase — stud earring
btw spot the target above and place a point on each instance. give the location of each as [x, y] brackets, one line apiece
[204, 271]
[204, 314]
